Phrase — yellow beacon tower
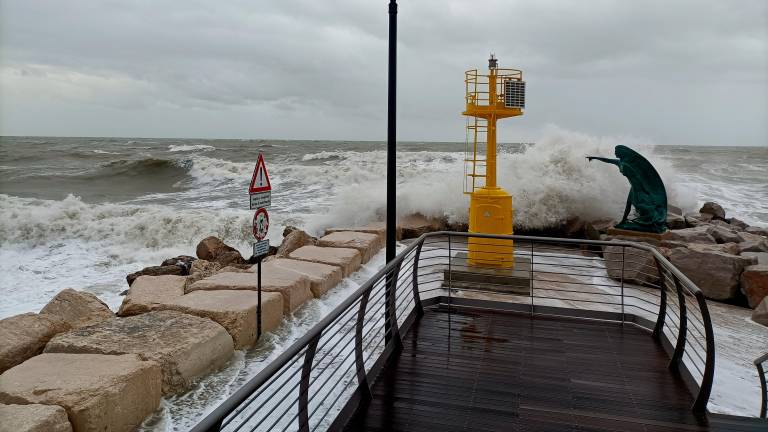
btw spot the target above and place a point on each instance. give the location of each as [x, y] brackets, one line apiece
[489, 97]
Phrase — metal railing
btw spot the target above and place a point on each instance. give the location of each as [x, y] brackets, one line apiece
[761, 363]
[323, 377]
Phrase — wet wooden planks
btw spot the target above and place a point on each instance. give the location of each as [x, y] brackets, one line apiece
[494, 371]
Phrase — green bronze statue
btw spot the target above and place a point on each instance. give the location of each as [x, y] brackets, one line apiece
[647, 193]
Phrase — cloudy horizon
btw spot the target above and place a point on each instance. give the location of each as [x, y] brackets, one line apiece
[672, 73]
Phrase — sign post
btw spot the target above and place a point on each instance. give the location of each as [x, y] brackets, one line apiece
[260, 198]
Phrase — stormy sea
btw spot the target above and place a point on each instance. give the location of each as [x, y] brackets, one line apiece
[84, 212]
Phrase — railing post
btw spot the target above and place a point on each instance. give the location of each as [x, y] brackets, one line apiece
[362, 377]
[761, 374]
[700, 405]
[677, 356]
[623, 259]
[416, 295]
[533, 307]
[659, 327]
[391, 329]
[306, 370]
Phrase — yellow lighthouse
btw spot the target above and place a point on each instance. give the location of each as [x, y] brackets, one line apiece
[489, 97]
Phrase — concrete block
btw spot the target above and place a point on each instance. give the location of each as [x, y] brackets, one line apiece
[233, 310]
[322, 277]
[378, 228]
[99, 392]
[33, 418]
[148, 292]
[348, 259]
[294, 287]
[185, 346]
[24, 336]
[366, 244]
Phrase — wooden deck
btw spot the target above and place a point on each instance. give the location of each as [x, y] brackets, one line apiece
[494, 371]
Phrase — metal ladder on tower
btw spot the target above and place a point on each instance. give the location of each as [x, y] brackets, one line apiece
[474, 154]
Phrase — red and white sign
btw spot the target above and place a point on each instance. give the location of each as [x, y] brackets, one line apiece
[260, 179]
[260, 223]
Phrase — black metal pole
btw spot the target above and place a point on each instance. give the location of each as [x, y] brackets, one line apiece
[391, 133]
[258, 306]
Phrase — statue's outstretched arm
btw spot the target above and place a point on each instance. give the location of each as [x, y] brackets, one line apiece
[602, 159]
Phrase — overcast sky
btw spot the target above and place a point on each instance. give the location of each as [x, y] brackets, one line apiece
[672, 72]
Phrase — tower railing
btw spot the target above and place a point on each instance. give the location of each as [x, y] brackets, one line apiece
[476, 85]
[320, 380]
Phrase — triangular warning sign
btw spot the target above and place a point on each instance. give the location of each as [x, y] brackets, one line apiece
[260, 180]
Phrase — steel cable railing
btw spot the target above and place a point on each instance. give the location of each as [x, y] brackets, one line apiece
[761, 363]
[317, 383]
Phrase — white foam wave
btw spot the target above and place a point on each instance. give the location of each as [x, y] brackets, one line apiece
[187, 148]
[105, 152]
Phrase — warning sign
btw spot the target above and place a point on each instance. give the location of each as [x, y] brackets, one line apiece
[260, 223]
[260, 179]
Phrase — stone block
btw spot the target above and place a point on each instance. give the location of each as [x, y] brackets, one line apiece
[697, 234]
[77, 308]
[24, 336]
[349, 260]
[366, 244]
[99, 392]
[638, 266]
[294, 287]
[754, 283]
[322, 277]
[233, 310]
[760, 314]
[185, 346]
[148, 292]
[413, 226]
[761, 257]
[715, 273]
[378, 228]
[33, 418]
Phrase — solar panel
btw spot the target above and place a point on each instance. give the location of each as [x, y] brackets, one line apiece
[514, 94]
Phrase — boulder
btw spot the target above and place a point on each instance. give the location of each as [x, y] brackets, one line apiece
[746, 236]
[413, 226]
[367, 244]
[715, 273]
[761, 257]
[739, 224]
[210, 248]
[233, 310]
[726, 225]
[294, 238]
[201, 269]
[574, 227]
[348, 259]
[236, 268]
[455, 226]
[754, 283]
[157, 271]
[322, 277]
[294, 287]
[699, 234]
[185, 346]
[722, 234]
[714, 209]
[593, 229]
[77, 308]
[24, 336]
[701, 217]
[639, 266]
[149, 292]
[378, 228]
[674, 209]
[757, 231]
[729, 248]
[230, 258]
[676, 221]
[184, 261]
[99, 392]
[34, 418]
[760, 314]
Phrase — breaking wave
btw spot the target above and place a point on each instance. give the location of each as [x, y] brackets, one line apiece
[188, 148]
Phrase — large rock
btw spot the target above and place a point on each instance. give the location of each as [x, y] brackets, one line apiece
[33, 418]
[184, 261]
[156, 271]
[746, 236]
[378, 228]
[213, 249]
[24, 336]
[185, 346]
[367, 244]
[233, 310]
[294, 287]
[715, 273]
[202, 269]
[739, 224]
[149, 292]
[760, 314]
[754, 283]
[753, 246]
[726, 225]
[349, 260]
[638, 266]
[99, 392]
[697, 234]
[761, 257]
[294, 238]
[714, 209]
[77, 308]
[415, 225]
[676, 221]
[728, 248]
[722, 234]
[757, 231]
[322, 277]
